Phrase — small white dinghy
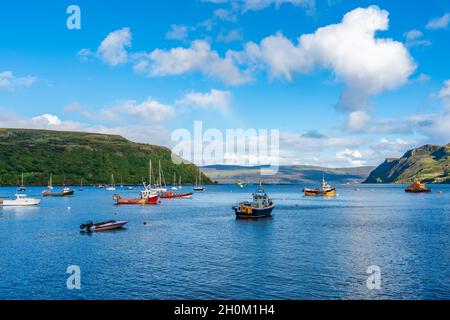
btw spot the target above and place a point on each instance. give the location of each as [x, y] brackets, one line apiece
[21, 200]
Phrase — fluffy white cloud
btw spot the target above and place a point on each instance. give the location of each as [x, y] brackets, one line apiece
[439, 23]
[215, 99]
[354, 158]
[366, 64]
[177, 32]
[358, 121]
[8, 81]
[149, 110]
[198, 57]
[113, 49]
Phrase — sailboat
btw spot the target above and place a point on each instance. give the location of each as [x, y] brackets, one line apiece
[159, 186]
[50, 182]
[121, 182]
[179, 183]
[22, 186]
[199, 182]
[112, 187]
[63, 193]
[174, 186]
[81, 185]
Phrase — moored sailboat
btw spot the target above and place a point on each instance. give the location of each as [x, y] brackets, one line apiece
[22, 186]
[199, 183]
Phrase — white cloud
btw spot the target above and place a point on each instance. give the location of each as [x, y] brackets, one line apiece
[230, 36]
[366, 64]
[414, 39]
[113, 49]
[215, 99]
[177, 32]
[439, 23]
[413, 34]
[353, 157]
[8, 81]
[198, 57]
[358, 121]
[149, 110]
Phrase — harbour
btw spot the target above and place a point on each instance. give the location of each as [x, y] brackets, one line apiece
[311, 247]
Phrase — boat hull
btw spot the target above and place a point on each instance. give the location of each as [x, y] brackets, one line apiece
[319, 193]
[418, 191]
[47, 193]
[253, 213]
[103, 226]
[170, 195]
[147, 201]
[20, 203]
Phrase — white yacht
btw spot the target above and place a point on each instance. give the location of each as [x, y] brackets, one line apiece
[20, 200]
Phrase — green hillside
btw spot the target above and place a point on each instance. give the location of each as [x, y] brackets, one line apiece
[75, 155]
[429, 163]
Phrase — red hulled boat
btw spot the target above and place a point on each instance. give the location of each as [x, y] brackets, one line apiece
[171, 195]
[142, 201]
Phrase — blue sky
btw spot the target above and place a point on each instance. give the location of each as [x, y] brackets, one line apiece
[350, 92]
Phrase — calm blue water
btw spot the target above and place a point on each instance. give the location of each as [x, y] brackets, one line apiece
[312, 248]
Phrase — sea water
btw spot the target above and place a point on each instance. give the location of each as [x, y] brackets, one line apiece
[312, 248]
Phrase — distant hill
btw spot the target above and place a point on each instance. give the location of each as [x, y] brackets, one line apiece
[429, 163]
[75, 155]
[286, 174]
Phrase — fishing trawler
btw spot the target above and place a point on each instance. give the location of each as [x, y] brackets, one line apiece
[417, 187]
[20, 200]
[260, 207]
[325, 190]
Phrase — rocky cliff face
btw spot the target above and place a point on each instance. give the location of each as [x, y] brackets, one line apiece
[429, 163]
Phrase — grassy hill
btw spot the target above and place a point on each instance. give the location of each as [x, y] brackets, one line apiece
[75, 155]
[429, 163]
[287, 174]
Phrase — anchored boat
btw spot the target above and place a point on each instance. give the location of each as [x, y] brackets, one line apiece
[171, 195]
[417, 187]
[65, 192]
[102, 226]
[20, 200]
[199, 183]
[260, 207]
[142, 201]
[325, 190]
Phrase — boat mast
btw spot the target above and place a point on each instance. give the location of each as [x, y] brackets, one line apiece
[22, 181]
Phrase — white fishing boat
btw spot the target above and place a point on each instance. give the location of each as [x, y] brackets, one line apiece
[20, 200]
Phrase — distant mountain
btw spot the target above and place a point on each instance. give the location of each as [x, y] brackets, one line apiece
[286, 174]
[75, 155]
[429, 163]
